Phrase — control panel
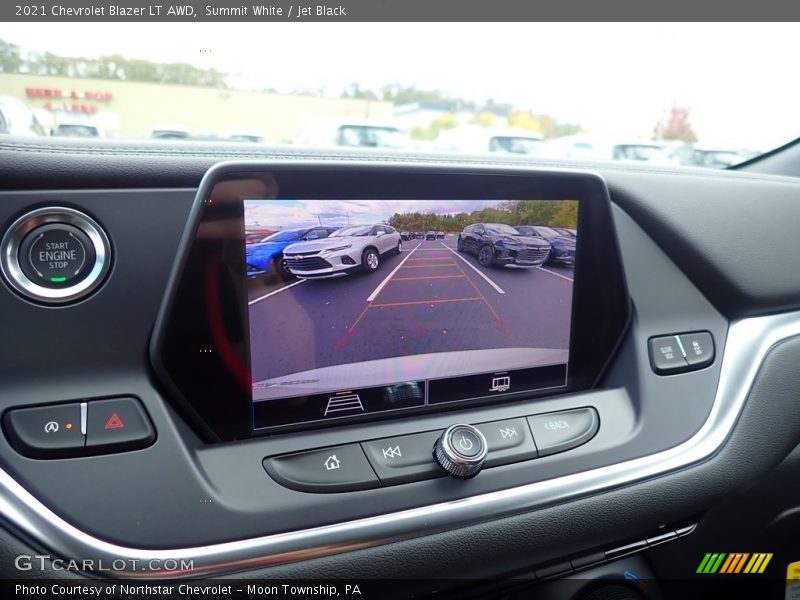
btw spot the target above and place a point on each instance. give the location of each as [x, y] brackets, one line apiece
[79, 428]
[460, 451]
[671, 354]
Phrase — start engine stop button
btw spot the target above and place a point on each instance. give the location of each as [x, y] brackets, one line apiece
[55, 255]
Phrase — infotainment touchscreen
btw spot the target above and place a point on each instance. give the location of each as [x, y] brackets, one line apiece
[360, 307]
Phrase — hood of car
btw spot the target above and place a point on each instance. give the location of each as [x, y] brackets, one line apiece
[320, 245]
[519, 240]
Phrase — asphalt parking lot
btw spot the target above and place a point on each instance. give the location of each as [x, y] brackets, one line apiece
[430, 298]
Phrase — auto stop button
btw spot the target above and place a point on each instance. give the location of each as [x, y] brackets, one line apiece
[560, 431]
[56, 255]
[52, 431]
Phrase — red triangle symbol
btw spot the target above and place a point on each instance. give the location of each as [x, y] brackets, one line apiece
[114, 422]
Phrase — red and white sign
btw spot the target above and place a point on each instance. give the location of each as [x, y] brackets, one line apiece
[69, 100]
[60, 94]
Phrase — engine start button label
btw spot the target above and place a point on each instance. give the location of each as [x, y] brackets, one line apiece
[56, 255]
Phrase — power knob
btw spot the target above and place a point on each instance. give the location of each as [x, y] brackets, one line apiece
[460, 451]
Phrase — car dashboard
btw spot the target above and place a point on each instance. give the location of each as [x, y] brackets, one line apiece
[667, 411]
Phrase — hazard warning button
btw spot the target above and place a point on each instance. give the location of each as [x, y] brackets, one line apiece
[117, 424]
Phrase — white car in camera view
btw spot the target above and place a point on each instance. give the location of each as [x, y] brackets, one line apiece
[346, 250]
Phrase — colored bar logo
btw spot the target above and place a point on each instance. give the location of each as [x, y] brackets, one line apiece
[734, 563]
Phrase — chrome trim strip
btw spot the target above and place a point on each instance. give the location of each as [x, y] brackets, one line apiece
[83, 417]
[680, 345]
[748, 343]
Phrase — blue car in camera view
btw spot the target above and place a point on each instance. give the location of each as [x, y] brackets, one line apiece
[563, 244]
[266, 257]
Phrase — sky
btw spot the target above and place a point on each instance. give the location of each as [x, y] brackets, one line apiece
[337, 213]
[737, 79]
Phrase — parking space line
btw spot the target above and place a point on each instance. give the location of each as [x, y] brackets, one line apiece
[428, 277]
[497, 319]
[352, 329]
[450, 264]
[432, 258]
[471, 266]
[556, 274]
[279, 290]
[378, 289]
[410, 302]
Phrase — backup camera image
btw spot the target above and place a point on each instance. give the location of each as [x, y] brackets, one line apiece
[363, 307]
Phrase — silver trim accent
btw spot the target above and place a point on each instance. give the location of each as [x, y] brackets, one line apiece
[680, 345]
[19, 229]
[747, 345]
[83, 417]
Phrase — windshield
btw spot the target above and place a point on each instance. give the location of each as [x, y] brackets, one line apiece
[696, 96]
[352, 231]
[76, 131]
[370, 137]
[514, 145]
[548, 233]
[527, 231]
[500, 229]
[638, 152]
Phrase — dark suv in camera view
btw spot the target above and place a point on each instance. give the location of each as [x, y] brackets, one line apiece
[563, 243]
[497, 244]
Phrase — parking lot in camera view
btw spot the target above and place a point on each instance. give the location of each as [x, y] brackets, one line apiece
[428, 299]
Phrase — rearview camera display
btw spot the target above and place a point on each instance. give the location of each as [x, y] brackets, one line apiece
[359, 308]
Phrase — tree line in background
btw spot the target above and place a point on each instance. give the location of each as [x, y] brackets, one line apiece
[488, 114]
[112, 66]
[553, 213]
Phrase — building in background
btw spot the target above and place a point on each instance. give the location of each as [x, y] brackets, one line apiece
[131, 109]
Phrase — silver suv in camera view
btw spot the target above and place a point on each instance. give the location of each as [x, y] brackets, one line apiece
[349, 249]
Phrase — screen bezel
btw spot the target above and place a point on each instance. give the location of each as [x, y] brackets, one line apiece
[200, 348]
